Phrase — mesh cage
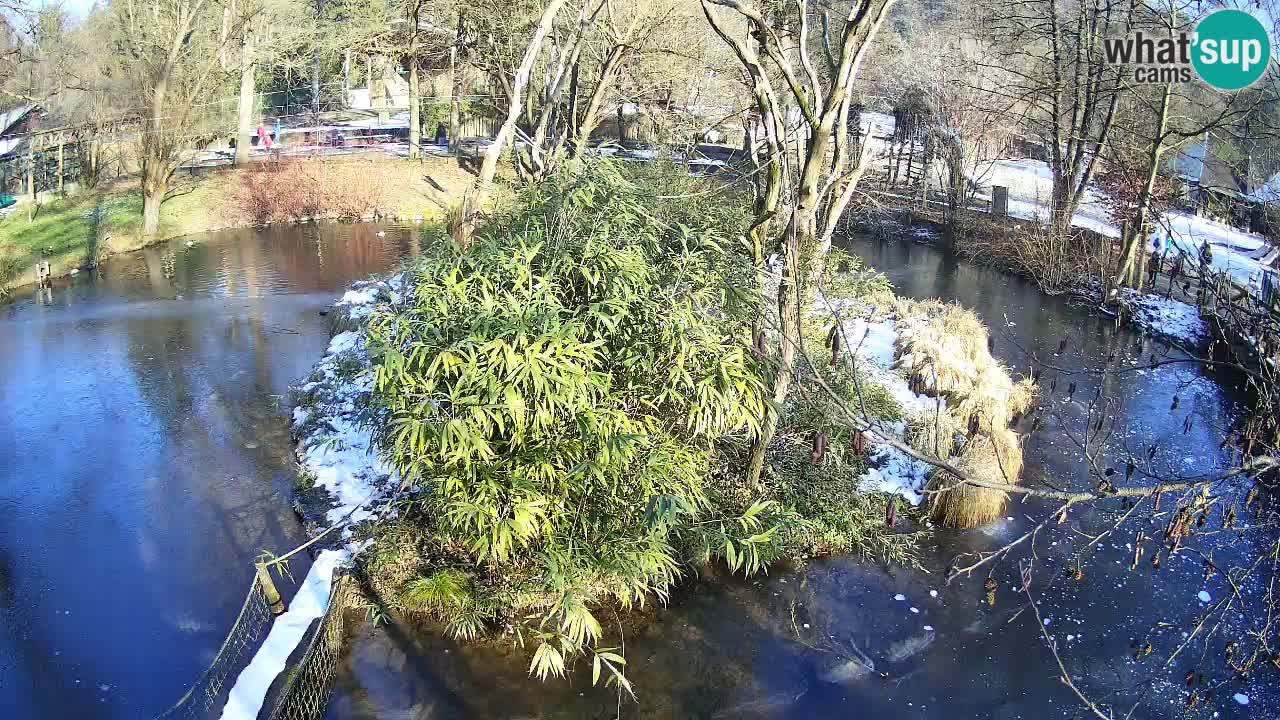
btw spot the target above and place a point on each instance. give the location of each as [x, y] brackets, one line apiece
[246, 634]
[307, 685]
[305, 691]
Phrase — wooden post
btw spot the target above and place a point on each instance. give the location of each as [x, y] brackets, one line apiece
[61, 187]
[269, 589]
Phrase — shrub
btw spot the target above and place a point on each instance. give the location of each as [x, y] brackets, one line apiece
[1056, 262]
[557, 393]
[297, 190]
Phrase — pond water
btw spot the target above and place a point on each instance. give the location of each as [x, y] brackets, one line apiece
[145, 462]
[787, 645]
[145, 457]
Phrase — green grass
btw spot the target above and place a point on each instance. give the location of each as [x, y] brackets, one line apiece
[62, 230]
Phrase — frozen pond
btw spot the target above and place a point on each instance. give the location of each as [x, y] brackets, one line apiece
[145, 457]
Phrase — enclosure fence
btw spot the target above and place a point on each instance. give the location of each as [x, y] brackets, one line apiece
[304, 691]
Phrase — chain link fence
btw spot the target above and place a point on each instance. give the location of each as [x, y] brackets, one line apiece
[307, 686]
[246, 635]
[304, 693]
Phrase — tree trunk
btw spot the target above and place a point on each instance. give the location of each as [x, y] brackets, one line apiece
[316, 62]
[456, 78]
[1135, 234]
[154, 188]
[473, 200]
[591, 116]
[415, 112]
[801, 236]
[346, 74]
[248, 96]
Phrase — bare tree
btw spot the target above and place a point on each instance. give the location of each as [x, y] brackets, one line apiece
[1050, 56]
[168, 53]
[828, 172]
[473, 200]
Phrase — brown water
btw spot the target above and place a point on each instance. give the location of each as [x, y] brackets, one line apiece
[145, 457]
[781, 646]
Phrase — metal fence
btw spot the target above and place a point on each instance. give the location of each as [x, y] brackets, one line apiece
[307, 686]
[242, 641]
[307, 683]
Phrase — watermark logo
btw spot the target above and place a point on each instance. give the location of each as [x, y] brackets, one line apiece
[1229, 50]
[1232, 51]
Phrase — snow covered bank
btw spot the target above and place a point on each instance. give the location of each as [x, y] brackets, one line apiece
[1030, 184]
[335, 444]
[337, 450]
[1172, 319]
[907, 347]
[891, 471]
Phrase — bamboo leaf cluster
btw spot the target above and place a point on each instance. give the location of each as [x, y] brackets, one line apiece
[556, 393]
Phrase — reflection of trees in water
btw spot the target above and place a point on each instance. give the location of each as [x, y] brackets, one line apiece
[203, 376]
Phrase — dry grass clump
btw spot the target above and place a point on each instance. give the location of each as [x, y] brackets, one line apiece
[944, 349]
[994, 458]
[935, 434]
[1056, 262]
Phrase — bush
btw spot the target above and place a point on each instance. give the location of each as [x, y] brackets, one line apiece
[297, 190]
[1056, 262]
[557, 392]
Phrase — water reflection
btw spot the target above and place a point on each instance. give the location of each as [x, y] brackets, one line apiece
[795, 644]
[145, 458]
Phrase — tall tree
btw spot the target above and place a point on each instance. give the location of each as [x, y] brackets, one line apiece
[168, 54]
[828, 172]
[474, 198]
[271, 33]
[1050, 56]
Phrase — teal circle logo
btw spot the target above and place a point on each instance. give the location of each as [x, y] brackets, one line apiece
[1232, 49]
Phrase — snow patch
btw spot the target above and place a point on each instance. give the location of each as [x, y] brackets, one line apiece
[891, 470]
[1165, 316]
[338, 450]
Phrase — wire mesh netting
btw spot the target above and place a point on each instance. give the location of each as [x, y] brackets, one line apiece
[243, 640]
[305, 689]
[307, 685]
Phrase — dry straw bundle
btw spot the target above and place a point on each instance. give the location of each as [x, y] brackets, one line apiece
[945, 351]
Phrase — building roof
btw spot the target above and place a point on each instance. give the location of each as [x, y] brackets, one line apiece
[8, 119]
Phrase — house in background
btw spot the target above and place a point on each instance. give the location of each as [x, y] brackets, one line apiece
[16, 124]
[1219, 189]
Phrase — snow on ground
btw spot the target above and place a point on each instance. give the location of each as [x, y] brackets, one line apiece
[335, 445]
[336, 448]
[1173, 319]
[1030, 184]
[892, 471]
[247, 695]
